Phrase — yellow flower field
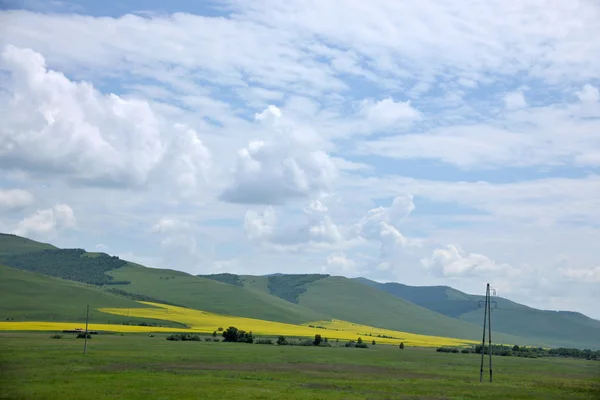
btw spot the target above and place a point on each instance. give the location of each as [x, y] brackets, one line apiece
[206, 322]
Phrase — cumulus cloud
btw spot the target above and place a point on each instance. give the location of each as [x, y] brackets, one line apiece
[515, 100]
[11, 199]
[48, 221]
[452, 261]
[54, 125]
[387, 113]
[588, 94]
[339, 264]
[290, 166]
[315, 230]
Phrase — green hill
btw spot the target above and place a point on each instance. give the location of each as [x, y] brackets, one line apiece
[28, 296]
[349, 300]
[106, 281]
[558, 328]
[12, 244]
[211, 295]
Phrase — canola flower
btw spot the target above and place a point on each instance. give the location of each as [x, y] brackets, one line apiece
[206, 322]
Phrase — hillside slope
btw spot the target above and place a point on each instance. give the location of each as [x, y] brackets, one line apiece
[349, 300]
[28, 296]
[568, 329]
[12, 244]
[211, 295]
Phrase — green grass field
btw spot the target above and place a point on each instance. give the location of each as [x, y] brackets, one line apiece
[136, 366]
[209, 295]
[27, 296]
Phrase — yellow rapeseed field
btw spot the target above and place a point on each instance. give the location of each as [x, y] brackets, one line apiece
[206, 322]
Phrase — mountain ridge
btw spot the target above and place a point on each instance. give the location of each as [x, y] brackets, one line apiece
[304, 298]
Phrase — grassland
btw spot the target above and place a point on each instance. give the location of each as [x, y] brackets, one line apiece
[210, 295]
[12, 244]
[337, 296]
[566, 329]
[136, 366]
[27, 296]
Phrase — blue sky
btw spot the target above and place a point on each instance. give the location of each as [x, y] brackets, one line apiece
[428, 143]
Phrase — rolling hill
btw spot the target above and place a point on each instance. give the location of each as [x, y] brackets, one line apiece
[348, 300]
[116, 276]
[28, 296]
[559, 328]
[48, 279]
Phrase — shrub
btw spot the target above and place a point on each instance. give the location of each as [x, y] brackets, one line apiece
[214, 334]
[359, 340]
[264, 341]
[207, 339]
[184, 337]
[447, 350]
[216, 340]
[220, 329]
[351, 343]
[282, 341]
[465, 351]
[401, 345]
[373, 342]
[82, 335]
[56, 336]
[361, 346]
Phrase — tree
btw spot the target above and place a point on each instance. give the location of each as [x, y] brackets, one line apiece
[359, 340]
[373, 342]
[318, 340]
[282, 341]
[214, 333]
[515, 348]
[401, 345]
[230, 334]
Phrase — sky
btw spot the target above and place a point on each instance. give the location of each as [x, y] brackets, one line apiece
[439, 142]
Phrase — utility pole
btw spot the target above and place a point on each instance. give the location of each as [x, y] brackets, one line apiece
[87, 317]
[487, 320]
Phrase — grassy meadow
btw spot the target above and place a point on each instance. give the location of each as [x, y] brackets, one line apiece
[136, 366]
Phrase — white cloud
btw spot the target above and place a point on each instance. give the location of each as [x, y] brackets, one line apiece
[558, 134]
[515, 100]
[11, 199]
[48, 221]
[591, 275]
[288, 167]
[339, 264]
[589, 94]
[169, 225]
[452, 261]
[52, 125]
[387, 113]
[188, 83]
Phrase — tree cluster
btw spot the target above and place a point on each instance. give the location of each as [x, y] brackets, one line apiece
[72, 264]
[233, 334]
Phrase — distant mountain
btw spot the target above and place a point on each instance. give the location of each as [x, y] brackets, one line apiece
[42, 282]
[560, 328]
[346, 299]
